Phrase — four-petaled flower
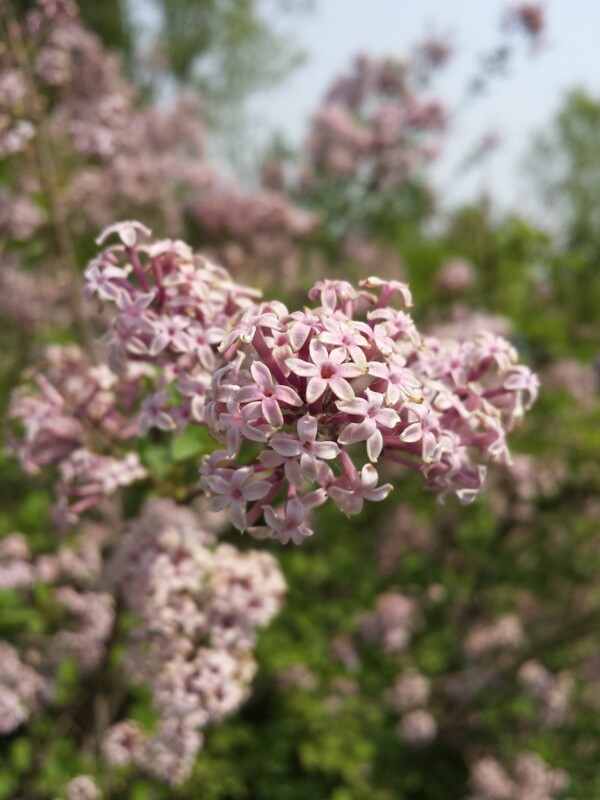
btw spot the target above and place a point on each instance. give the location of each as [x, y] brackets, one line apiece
[374, 416]
[327, 370]
[268, 394]
[101, 281]
[233, 489]
[290, 527]
[127, 232]
[305, 447]
[363, 487]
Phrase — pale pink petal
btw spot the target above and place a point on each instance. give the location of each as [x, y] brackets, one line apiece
[380, 493]
[315, 498]
[338, 356]
[272, 412]
[253, 433]
[329, 338]
[374, 445]
[219, 503]
[286, 447]
[285, 394]
[351, 370]
[368, 477]
[294, 512]
[378, 369]
[237, 515]
[164, 421]
[262, 376]
[308, 465]
[271, 518]
[341, 388]
[357, 355]
[256, 490]
[271, 459]
[298, 334]
[326, 450]
[357, 431]
[347, 501]
[412, 433]
[387, 418]
[429, 447]
[315, 388]
[293, 473]
[158, 344]
[247, 394]
[303, 368]
[318, 353]
[307, 428]
[357, 407]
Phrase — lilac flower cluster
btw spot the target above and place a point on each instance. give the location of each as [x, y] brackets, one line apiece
[377, 124]
[392, 623]
[200, 607]
[85, 148]
[16, 126]
[77, 563]
[456, 277]
[26, 295]
[504, 633]
[82, 787]
[119, 154]
[530, 779]
[305, 391]
[256, 233]
[529, 19]
[552, 693]
[72, 575]
[88, 626]
[22, 690]
[71, 414]
[409, 697]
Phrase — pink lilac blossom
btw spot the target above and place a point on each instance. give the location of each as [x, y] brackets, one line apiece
[26, 295]
[552, 693]
[580, 381]
[528, 18]
[456, 277]
[417, 728]
[530, 779]
[16, 568]
[392, 623]
[255, 233]
[411, 689]
[505, 632]
[93, 615]
[307, 392]
[378, 125]
[67, 412]
[199, 607]
[466, 323]
[22, 690]
[82, 787]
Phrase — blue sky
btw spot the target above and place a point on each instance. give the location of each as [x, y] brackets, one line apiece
[515, 106]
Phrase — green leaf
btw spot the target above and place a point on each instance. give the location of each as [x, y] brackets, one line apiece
[193, 443]
[21, 752]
